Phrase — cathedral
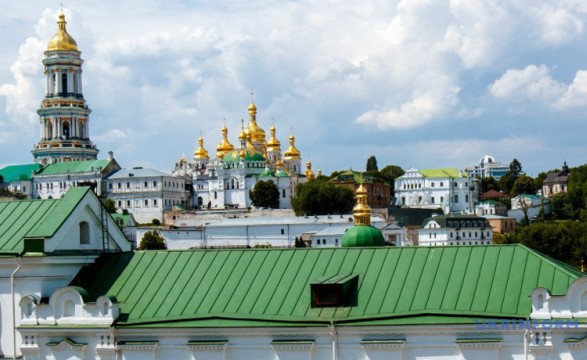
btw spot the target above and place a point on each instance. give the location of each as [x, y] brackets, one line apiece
[224, 181]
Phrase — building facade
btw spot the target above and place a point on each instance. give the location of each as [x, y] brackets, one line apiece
[488, 167]
[19, 178]
[556, 182]
[64, 116]
[379, 193]
[448, 189]
[457, 230]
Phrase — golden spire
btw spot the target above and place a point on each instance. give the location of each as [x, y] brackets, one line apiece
[225, 146]
[309, 173]
[273, 144]
[62, 40]
[201, 153]
[242, 137]
[362, 211]
[292, 152]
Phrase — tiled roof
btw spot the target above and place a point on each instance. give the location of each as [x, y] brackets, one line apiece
[271, 287]
[18, 172]
[454, 221]
[75, 167]
[34, 219]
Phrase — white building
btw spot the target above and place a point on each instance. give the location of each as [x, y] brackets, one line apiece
[448, 189]
[224, 181]
[445, 230]
[528, 206]
[260, 231]
[19, 178]
[491, 207]
[488, 167]
[146, 193]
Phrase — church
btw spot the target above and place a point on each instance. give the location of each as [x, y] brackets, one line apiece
[224, 181]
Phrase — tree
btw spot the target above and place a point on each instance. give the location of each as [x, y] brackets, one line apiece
[389, 174]
[299, 243]
[372, 163]
[523, 185]
[516, 168]
[265, 194]
[152, 241]
[322, 197]
[110, 206]
[489, 183]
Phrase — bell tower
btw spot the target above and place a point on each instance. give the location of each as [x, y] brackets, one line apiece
[64, 115]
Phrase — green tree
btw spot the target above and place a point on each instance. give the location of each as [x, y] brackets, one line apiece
[322, 197]
[265, 194]
[489, 183]
[538, 180]
[389, 174]
[110, 206]
[299, 243]
[516, 168]
[372, 163]
[152, 241]
[523, 185]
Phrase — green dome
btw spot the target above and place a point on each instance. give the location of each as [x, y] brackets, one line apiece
[250, 155]
[267, 173]
[363, 235]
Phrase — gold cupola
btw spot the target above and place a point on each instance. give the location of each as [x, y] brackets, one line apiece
[225, 146]
[62, 40]
[201, 153]
[273, 144]
[254, 130]
[292, 152]
[309, 173]
[362, 211]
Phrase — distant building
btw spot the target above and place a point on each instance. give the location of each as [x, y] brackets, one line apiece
[491, 207]
[19, 178]
[379, 193]
[501, 224]
[488, 167]
[395, 235]
[146, 193]
[455, 230]
[528, 205]
[449, 189]
[556, 182]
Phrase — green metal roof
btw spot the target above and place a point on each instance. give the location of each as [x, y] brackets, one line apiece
[75, 167]
[271, 287]
[442, 173]
[18, 172]
[35, 219]
[250, 155]
[362, 235]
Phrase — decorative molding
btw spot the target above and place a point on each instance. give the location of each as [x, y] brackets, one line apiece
[383, 344]
[576, 343]
[137, 345]
[66, 343]
[479, 343]
[293, 345]
[207, 345]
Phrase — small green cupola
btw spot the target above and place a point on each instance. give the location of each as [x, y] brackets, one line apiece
[362, 233]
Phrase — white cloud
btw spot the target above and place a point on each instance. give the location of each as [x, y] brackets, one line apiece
[531, 83]
[576, 93]
[558, 25]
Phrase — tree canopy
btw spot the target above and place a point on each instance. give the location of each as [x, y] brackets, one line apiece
[523, 185]
[372, 163]
[321, 197]
[265, 194]
[152, 241]
[489, 183]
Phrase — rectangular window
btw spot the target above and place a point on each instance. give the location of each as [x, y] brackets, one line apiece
[154, 183]
[154, 202]
[432, 184]
[432, 200]
[146, 185]
[441, 184]
[282, 231]
[441, 199]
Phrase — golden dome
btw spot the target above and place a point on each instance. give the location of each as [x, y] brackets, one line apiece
[256, 132]
[362, 211]
[292, 152]
[309, 173]
[225, 146]
[201, 153]
[252, 109]
[279, 164]
[250, 145]
[62, 40]
[273, 144]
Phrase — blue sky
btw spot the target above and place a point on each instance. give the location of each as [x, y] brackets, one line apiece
[420, 83]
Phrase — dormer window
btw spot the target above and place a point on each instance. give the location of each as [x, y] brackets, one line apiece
[337, 290]
[84, 233]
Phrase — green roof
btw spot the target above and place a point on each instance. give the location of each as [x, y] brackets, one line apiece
[250, 155]
[271, 287]
[123, 219]
[363, 235]
[75, 167]
[18, 172]
[442, 173]
[34, 219]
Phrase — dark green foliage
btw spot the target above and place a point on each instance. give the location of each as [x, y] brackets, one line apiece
[152, 241]
[156, 222]
[321, 197]
[265, 194]
[110, 206]
[299, 243]
[489, 183]
[523, 185]
[372, 163]
[516, 168]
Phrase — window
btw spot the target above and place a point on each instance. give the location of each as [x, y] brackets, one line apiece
[323, 241]
[146, 202]
[84, 233]
[154, 202]
[119, 203]
[283, 193]
[455, 184]
[68, 308]
[109, 185]
[282, 231]
[441, 184]
[317, 241]
[456, 199]
[432, 200]
[127, 185]
[441, 199]
[119, 185]
[466, 198]
[154, 183]
[128, 203]
[146, 184]
[432, 184]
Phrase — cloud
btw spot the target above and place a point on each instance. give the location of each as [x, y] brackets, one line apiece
[558, 25]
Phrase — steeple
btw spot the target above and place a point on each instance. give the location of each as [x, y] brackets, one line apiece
[64, 115]
[362, 211]
[201, 153]
[362, 233]
[225, 146]
[309, 173]
[256, 133]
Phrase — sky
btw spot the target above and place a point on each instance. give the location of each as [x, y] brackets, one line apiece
[416, 83]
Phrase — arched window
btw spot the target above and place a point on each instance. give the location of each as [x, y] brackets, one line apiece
[64, 83]
[456, 199]
[82, 130]
[68, 308]
[84, 233]
[65, 130]
[49, 130]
